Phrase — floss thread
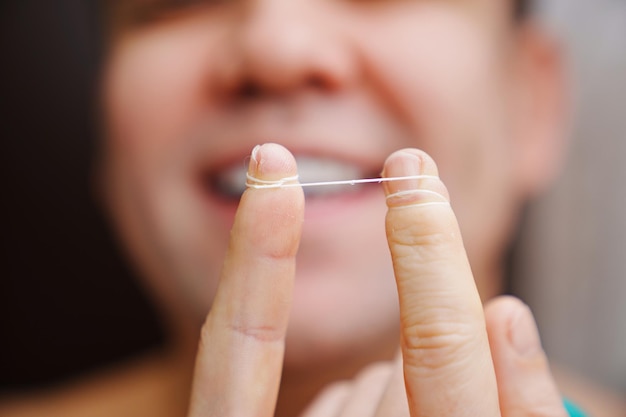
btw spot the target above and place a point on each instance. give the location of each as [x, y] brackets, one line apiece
[256, 183]
[252, 182]
[444, 201]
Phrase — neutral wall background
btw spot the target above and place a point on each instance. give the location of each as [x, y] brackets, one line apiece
[574, 249]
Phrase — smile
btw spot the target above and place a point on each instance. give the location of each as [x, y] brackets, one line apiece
[230, 182]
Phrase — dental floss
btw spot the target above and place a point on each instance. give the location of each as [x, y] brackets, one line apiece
[288, 182]
[256, 183]
[269, 183]
[411, 192]
[404, 193]
[430, 203]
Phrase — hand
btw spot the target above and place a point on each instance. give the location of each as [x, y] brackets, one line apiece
[524, 382]
[456, 359]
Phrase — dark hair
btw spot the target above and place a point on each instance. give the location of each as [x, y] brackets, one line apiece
[118, 14]
[521, 9]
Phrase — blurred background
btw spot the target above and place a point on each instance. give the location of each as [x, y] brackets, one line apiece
[572, 258]
[69, 303]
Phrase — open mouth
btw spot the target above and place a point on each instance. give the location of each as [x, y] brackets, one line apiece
[230, 182]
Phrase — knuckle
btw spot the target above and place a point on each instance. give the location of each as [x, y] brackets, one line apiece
[436, 345]
[424, 238]
[258, 333]
[253, 332]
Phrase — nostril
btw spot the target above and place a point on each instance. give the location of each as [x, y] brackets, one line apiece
[325, 82]
[282, 81]
[318, 82]
[253, 90]
[249, 90]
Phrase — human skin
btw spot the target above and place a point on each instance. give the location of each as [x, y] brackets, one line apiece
[447, 367]
[189, 94]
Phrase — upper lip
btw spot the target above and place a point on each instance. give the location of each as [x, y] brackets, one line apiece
[224, 152]
[227, 157]
[344, 128]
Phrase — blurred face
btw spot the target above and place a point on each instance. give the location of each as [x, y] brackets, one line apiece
[342, 84]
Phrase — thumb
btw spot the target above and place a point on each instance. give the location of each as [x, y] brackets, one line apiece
[525, 384]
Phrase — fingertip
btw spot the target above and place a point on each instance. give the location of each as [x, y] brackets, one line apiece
[427, 164]
[526, 386]
[500, 310]
[423, 186]
[270, 206]
[511, 318]
[271, 162]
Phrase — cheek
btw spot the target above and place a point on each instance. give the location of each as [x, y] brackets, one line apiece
[440, 72]
[435, 67]
[154, 90]
[154, 95]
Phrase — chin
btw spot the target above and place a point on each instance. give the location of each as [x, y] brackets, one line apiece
[318, 347]
[338, 316]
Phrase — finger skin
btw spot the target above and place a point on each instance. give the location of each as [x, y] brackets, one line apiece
[240, 356]
[524, 379]
[330, 401]
[447, 362]
[368, 389]
[393, 402]
[360, 397]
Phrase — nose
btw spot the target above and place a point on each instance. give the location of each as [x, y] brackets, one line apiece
[280, 46]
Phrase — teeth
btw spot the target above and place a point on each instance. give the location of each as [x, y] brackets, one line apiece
[317, 169]
[232, 181]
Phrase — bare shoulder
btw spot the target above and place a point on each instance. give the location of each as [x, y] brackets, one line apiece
[149, 386]
[595, 400]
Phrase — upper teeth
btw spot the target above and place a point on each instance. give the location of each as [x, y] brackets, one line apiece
[232, 180]
[319, 169]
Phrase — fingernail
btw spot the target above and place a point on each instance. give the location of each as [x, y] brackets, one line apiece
[271, 162]
[254, 153]
[402, 164]
[254, 161]
[425, 190]
[523, 333]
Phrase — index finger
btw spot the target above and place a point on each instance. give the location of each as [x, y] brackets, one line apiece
[447, 363]
[240, 357]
